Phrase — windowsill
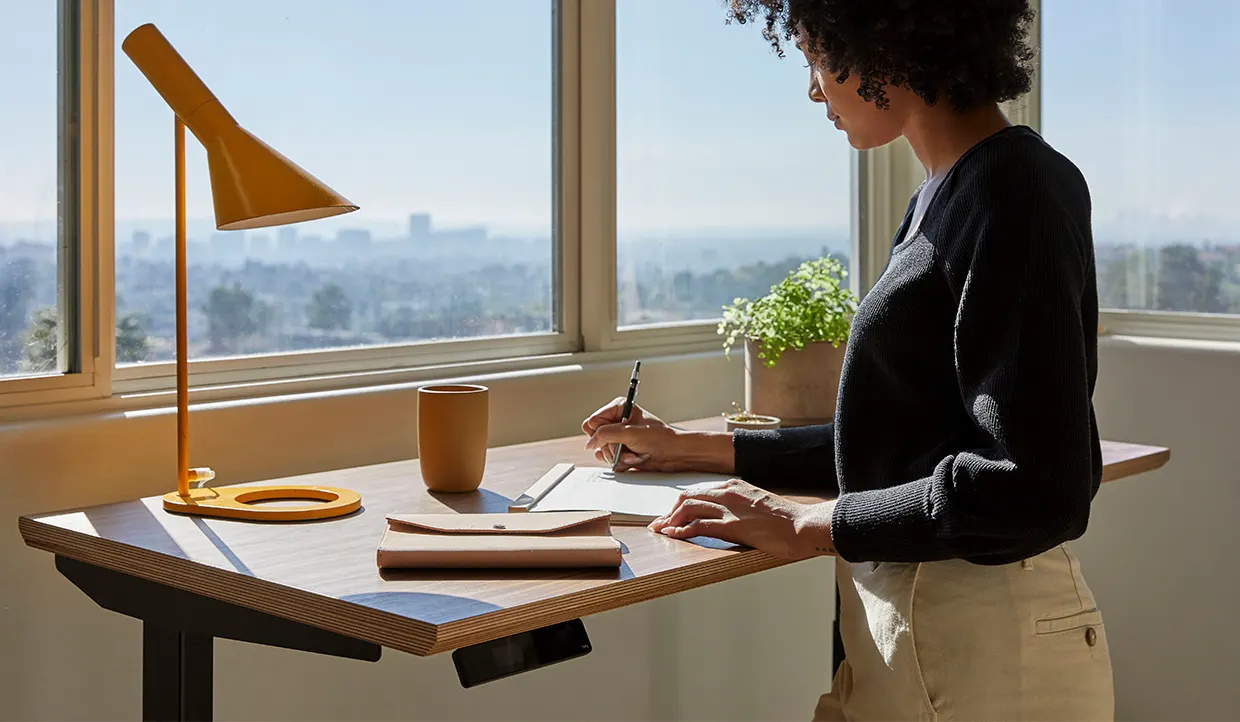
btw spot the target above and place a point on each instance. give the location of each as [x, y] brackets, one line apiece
[306, 388]
[1130, 341]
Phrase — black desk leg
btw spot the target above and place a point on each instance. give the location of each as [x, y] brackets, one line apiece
[176, 674]
[837, 640]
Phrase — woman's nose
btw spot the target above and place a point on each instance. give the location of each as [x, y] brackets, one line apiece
[815, 92]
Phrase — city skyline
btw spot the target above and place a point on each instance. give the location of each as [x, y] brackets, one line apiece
[696, 99]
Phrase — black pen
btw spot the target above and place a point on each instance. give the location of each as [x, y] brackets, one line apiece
[628, 409]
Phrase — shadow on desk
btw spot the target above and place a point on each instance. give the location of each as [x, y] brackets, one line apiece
[481, 501]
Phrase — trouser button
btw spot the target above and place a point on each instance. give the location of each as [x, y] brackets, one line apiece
[1091, 636]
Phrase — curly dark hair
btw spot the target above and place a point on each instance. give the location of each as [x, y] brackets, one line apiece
[973, 51]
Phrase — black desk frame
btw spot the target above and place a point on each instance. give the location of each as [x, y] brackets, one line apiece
[179, 628]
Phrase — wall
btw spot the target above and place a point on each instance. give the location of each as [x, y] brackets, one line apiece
[705, 654]
[1158, 555]
[1160, 550]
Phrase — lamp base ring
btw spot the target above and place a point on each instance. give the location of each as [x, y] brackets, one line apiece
[238, 502]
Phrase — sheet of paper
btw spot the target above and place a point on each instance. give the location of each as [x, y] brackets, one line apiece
[638, 494]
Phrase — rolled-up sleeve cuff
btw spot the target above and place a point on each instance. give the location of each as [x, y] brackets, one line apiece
[886, 525]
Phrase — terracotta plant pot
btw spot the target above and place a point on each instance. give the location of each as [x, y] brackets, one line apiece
[800, 388]
[752, 422]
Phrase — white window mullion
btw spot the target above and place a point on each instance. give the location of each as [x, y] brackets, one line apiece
[98, 227]
[567, 148]
[598, 173]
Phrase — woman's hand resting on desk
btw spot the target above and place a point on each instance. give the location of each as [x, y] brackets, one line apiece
[734, 511]
[739, 512]
[652, 445]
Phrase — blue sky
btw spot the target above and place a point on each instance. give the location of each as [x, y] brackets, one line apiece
[1143, 95]
[425, 105]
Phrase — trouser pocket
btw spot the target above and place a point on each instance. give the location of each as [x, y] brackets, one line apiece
[1068, 622]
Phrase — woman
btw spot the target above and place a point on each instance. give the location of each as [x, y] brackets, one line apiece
[964, 453]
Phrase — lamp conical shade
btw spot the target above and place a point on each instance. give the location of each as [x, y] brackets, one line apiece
[252, 185]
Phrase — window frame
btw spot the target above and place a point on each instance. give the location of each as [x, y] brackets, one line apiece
[585, 311]
[84, 231]
[255, 369]
[889, 176]
[1209, 327]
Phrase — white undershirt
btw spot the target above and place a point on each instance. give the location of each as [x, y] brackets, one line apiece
[924, 195]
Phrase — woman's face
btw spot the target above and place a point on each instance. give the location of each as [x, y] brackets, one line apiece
[865, 124]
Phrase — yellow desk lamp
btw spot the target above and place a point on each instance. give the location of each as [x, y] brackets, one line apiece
[252, 186]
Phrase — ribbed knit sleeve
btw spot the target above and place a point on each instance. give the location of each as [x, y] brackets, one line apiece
[1020, 266]
[801, 458]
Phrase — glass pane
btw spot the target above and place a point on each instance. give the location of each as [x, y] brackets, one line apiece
[1132, 92]
[434, 117]
[727, 175]
[29, 312]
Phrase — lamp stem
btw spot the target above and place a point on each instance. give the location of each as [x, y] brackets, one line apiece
[182, 344]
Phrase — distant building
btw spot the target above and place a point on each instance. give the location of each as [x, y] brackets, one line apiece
[287, 238]
[141, 241]
[353, 240]
[464, 236]
[419, 226]
[311, 244]
[229, 244]
[260, 245]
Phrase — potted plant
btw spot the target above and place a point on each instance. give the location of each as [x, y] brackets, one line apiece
[794, 340]
[741, 419]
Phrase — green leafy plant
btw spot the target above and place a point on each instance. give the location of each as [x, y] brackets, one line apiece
[811, 304]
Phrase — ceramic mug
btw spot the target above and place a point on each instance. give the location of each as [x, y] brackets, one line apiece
[452, 436]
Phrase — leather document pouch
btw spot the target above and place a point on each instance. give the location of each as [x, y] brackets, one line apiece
[492, 541]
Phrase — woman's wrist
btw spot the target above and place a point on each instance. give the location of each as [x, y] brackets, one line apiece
[813, 530]
[708, 451]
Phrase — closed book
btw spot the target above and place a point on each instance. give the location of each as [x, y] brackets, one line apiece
[496, 541]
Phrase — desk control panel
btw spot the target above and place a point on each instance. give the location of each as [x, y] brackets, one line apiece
[519, 653]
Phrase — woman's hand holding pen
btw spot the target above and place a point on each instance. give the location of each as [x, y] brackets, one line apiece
[652, 445]
[734, 511]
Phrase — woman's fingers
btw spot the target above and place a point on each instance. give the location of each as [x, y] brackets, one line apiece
[630, 460]
[609, 435]
[687, 510]
[610, 413]
[718, 492]
[713, 528]
[692, 509]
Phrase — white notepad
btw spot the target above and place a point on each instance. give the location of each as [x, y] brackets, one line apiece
[632, 497]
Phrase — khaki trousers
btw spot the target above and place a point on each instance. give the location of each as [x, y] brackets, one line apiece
[953, 640]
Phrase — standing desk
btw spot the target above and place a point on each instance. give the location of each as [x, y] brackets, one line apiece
[315, 586]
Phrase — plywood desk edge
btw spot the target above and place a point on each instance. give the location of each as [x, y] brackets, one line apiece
[368, 624]
[1149, 459]
[419, 637]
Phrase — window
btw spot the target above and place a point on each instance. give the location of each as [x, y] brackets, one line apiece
[479, 146]
[727, 176]
[35, 208]
[1132, 92]
[434, 117]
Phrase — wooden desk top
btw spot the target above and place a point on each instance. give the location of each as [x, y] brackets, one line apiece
[324, 573]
